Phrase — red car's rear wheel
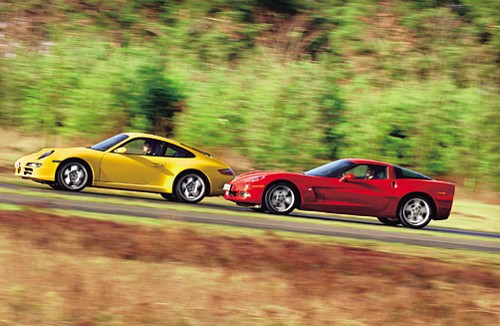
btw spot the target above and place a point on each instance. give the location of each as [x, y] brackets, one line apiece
[415, 212]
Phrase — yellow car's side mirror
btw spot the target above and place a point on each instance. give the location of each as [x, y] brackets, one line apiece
[120, 150]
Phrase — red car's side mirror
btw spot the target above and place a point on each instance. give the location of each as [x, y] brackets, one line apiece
[347, 177]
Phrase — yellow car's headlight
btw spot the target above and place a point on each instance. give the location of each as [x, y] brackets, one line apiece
[44, 155]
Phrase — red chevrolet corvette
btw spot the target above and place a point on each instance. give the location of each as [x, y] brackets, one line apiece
[350, 186]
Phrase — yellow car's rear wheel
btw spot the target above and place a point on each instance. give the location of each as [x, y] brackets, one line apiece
[191, 187]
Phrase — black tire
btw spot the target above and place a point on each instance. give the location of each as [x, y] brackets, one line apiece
[170, 197]
[187, 187]
[280, 198]
[54, 185]
[389, 221]
[73, 176]
[415, 211]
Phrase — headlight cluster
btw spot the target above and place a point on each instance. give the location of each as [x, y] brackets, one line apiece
[226, 171]
[254, 179]
[44, 155]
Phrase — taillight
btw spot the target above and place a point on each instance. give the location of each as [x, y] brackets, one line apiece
[226, 171]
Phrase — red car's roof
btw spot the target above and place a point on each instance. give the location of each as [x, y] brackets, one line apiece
[365, 161]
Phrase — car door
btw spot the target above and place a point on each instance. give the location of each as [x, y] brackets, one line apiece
[133, 164]
[363, 194]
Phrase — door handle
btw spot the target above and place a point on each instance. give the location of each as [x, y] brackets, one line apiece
[394, 184]
[157, 165]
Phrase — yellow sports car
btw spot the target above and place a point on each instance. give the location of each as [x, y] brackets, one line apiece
[131, 161]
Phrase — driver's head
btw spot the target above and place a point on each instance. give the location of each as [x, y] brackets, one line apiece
[147, 147]
[370, 173]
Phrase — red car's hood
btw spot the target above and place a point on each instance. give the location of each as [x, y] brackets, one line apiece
[252, 174]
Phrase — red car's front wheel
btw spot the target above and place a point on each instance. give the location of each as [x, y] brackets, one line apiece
[280, 198]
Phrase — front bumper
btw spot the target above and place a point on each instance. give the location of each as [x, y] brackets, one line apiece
[38, 170]
[243, 192]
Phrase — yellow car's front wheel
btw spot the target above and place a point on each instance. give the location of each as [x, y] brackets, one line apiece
[73, 176]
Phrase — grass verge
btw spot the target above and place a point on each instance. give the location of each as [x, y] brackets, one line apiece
[56, 270]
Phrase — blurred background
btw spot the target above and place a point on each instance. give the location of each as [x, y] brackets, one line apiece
[285, 84]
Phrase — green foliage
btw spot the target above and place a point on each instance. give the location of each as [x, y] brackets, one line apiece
[152, 100]
[52, 88]
[289, 84]
[435, 127]
[269, 111]
[79, 90]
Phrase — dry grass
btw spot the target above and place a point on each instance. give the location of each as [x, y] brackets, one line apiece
[67, 270]
[15, 144]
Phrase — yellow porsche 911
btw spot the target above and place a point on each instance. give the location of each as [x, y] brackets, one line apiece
[131, 161]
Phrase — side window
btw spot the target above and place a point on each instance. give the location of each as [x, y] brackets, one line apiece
[145, 146]
[376, 172]
[368, 172]
[402, 173]
[359, 171]
[176, 151]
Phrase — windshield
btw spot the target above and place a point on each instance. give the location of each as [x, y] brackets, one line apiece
[110, 142]
[331, 170]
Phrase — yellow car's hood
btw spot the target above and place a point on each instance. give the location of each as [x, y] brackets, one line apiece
[60, 153]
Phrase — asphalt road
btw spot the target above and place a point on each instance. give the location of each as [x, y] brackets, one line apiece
[429, 237]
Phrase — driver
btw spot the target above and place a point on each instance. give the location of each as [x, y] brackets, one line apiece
[370, 173]
[149, 148]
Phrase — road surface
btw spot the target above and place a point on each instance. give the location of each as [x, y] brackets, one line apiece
[430, 237]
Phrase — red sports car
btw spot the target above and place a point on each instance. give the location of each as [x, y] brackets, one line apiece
[350, 186]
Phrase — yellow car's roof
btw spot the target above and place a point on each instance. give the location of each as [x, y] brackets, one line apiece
[140, 135]
[169, 140]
